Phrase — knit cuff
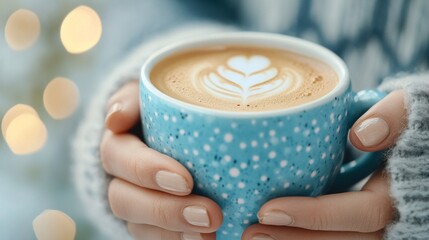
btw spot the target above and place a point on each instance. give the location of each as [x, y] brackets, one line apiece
[408, 165]
[89, 176]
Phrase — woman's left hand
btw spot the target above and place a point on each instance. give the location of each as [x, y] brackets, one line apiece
[351, 215]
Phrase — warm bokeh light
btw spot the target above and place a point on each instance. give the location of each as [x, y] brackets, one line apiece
[54, 225]
[14, 112]
[61, 98]
[22, 29]
[26, 134]
[81, 29]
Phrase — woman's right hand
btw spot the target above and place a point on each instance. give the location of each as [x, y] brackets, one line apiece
[150, 190]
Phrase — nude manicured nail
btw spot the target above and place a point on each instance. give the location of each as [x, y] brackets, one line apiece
[276, 217]
[191, 236]
[172, 182]
[261, 237]
[197, 216]
[113, 109]
[372, 131]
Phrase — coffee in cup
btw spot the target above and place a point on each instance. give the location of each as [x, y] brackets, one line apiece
[243, 78]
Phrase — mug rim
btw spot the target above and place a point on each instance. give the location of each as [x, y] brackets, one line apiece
[269, 40]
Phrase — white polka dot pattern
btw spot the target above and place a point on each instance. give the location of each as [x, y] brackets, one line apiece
[242, 163]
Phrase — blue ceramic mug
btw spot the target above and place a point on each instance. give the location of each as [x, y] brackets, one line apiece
[243, 159]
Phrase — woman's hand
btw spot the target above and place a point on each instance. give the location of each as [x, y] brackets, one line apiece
[150, 191]
[351, 215]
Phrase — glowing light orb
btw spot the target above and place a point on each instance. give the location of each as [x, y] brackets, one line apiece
[22, 29]
[26, 134]
[81, 30]
[14, 112]
[54, 225]
[61, 98]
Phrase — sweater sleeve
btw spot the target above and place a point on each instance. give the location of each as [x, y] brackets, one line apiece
[408, 164]
[90, 179]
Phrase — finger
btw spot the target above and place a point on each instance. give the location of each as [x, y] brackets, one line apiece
[123, 108]
[149, 232]
[258, 232]
[137, 205]
[381, 125]
[366, 211]
[126, 157]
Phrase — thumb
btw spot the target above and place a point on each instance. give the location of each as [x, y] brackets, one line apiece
[123, 108]
[381, 125]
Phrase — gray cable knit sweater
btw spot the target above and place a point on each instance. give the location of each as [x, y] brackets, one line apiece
[408, 164]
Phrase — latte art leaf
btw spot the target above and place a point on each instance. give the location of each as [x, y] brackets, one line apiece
[245, 79]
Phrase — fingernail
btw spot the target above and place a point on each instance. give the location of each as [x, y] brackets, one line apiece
[113, 109]
[197, 216]
[172, 182]
[276, 217]
[191, 236]
[261, 237]
[372, 131]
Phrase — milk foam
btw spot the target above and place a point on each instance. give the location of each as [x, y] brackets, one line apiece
[243, 79]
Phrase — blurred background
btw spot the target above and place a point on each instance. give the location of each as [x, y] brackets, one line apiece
[53, 74]
[53, 54]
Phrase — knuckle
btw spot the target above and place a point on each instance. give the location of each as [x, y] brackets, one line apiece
[160, 213]
[138, 167]
[321, 218]
[115, 199]
[380, 219]
[319, 221]
[376, 217]
[104, 147]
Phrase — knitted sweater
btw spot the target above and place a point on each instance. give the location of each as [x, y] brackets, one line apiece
[408, 164]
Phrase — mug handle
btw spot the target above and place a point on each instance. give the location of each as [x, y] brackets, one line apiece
[356, 170]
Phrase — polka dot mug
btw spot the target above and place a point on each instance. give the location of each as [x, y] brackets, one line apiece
[243, 159]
